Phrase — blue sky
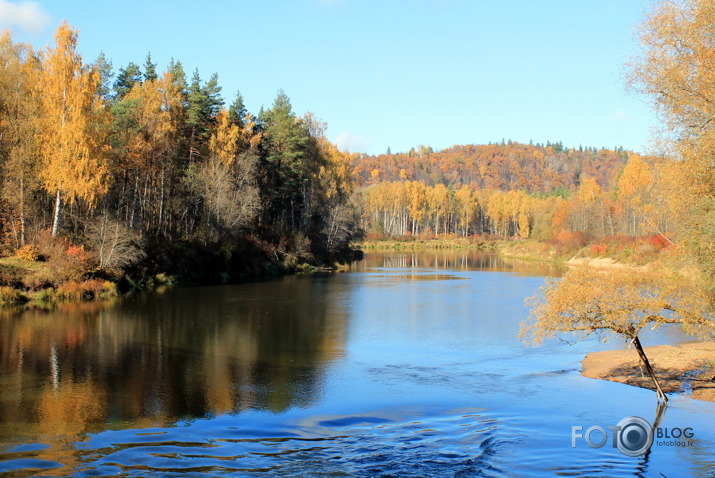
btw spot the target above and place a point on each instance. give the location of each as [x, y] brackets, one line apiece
[395, 73]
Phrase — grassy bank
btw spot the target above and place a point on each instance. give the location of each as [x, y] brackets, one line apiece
[42, 282]
[423, 243]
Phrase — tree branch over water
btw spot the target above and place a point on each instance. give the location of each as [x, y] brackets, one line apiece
[623, 301]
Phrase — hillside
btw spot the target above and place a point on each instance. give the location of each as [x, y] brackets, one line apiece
[507, 166]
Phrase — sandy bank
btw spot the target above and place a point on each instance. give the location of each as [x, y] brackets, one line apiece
[679, 368]
[599, 263]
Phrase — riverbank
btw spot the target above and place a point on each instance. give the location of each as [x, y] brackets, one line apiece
[56, 273]
[415, 244]
[522, 249]
[686, 368]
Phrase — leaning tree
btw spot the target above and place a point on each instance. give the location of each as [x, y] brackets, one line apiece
[621, 301]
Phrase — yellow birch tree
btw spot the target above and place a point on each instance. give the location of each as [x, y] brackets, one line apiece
[74, 126]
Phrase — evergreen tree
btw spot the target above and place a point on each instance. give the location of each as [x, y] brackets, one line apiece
[203, 104]
[287, 175]
[237, 111]
[104, 68]
[176, 69]
[126, 78]
[150, 69]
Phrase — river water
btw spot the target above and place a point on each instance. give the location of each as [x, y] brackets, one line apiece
[408, 365]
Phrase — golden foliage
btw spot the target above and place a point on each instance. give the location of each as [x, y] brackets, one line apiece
[223, 143]
[158, 117]
[74, 123]
[621, 300]
[635, 180]
[28, 253]
[676, 68]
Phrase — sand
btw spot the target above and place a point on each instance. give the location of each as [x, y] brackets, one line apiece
[687, 368]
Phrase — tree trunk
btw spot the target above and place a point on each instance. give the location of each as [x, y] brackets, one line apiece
[56, 220]
[22, 209]
[161, 202]
[646, 363]
[134, 202]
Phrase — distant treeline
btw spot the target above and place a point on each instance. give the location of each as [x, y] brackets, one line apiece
[516, 190]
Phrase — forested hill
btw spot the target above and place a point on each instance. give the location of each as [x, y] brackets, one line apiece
[506, 166]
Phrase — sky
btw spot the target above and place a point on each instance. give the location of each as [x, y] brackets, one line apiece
[388, 73]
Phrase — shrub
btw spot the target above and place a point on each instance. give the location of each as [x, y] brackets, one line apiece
[46, 295]
[66, 261]
[657, 241]
[568, 240]
[115, 245]
[598, 249]
[28, 253]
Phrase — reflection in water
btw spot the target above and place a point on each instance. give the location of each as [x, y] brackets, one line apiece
[153, 360]
[457, 260]
[409, 366]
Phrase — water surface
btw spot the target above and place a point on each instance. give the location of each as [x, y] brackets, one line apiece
[408, 365]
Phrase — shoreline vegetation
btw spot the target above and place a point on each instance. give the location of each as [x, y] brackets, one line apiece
[32, 279]
[48, 274]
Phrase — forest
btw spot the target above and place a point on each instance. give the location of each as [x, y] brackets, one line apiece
[146, 171]
[127, 174]
[516, 191]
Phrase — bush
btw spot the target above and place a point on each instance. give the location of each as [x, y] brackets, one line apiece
[66, 261]
[28, 253]
[657, 241]
[598, 250]
[568, 240]
[115, 245]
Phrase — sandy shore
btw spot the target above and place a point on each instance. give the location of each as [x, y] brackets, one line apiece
[599, 263]
[678, 368]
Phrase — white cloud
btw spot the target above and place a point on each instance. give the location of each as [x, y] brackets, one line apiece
[25, 15]
[347, 141]
[618, 116]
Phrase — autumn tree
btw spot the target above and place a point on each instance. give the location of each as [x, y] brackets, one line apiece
[74, 126]
[634, 189]
[676, 68]
[618, 301]
[147, 123]
[226, 183]
[19, 128]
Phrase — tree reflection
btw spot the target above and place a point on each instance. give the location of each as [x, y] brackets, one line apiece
[152, 360]
[457, 259]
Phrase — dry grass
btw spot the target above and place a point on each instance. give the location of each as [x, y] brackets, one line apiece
[86, 290]
[11, 296]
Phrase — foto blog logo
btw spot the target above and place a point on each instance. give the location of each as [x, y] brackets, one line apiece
[632, 436]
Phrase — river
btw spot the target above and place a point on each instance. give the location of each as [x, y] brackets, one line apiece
[407, 365]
